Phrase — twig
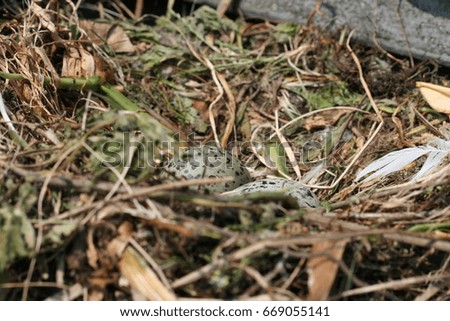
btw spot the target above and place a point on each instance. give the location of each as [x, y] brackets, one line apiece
[254, 274]
[117, 99]
[197, 275]
[12, 131]
[137, 192]
[91, 83]
[150, 261]
[426, 123]
[375, 132]
[68, 294]
[393, 285]
[390, 234]
[252, 143]
[361, 77]
[231, 109]
[405, 34]
[287, 148]
[223, 6]
[205, 61]
[435, 287]
[317, 112]
[13, 285]
[40, 213]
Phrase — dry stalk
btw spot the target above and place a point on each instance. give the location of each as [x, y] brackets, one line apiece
[393, 285]
[205, 61]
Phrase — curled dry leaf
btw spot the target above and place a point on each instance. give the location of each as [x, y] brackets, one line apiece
[44, 17]
[78, 62]
[142, 278]
[133, 268]
[113, 35]
[438, 97]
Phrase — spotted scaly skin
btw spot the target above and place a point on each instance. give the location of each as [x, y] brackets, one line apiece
[208, 161]
[301, 193]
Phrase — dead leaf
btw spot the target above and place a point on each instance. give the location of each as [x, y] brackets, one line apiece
[223, 6]
[202, 107]
[142, 278]
[91, 252]
[78, 63]
[442, 235]
[438, 97]
[39, 51]
[44, 17]
[134, 268]
[113, 35]
[96, 294]
[322, 268]
[324, 119]
[103, 69]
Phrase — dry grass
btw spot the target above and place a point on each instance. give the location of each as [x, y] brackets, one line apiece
[73, 228]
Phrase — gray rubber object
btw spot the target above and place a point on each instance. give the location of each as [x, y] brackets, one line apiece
[419, 27]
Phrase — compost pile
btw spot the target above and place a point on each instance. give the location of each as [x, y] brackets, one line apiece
[93, 108]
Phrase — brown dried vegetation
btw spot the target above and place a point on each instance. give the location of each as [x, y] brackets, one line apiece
[71, 228]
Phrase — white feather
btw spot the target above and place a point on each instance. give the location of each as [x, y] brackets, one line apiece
[397, 160]
[433, 160]
[392, 162]
[4, 113]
